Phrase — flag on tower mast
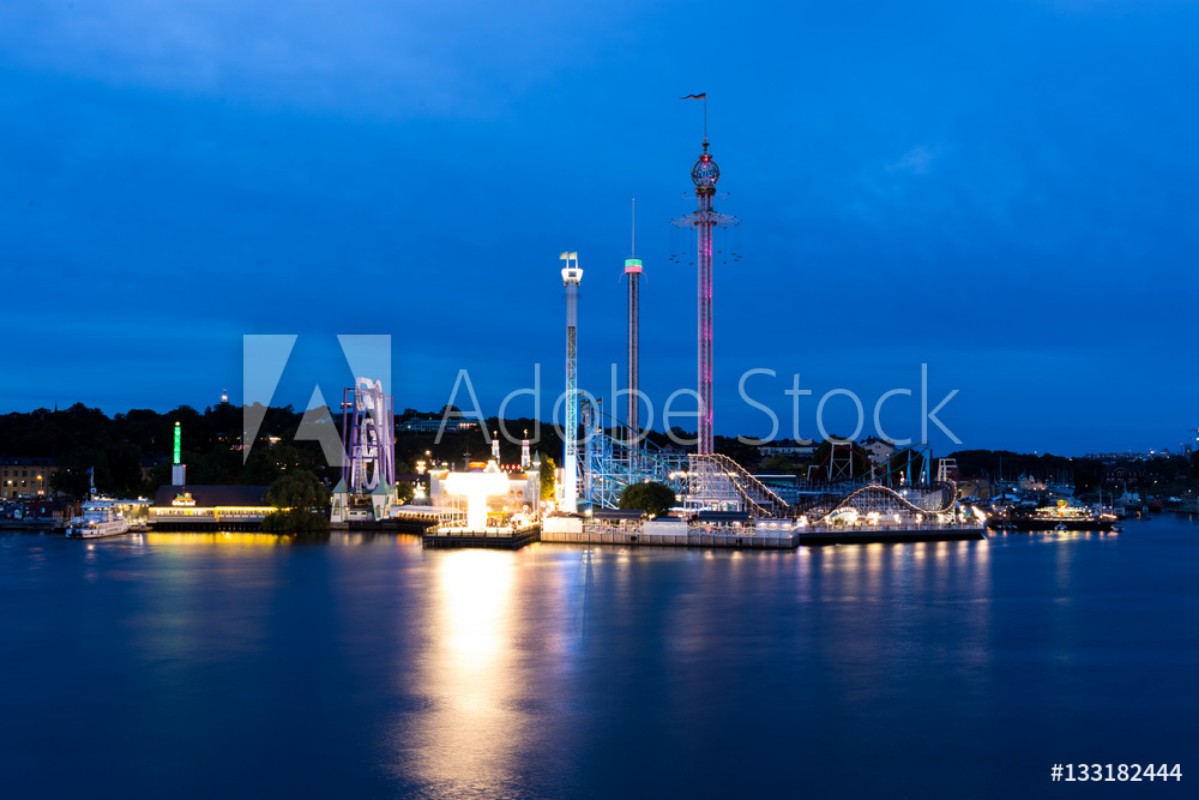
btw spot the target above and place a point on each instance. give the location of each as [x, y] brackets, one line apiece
[701, 96]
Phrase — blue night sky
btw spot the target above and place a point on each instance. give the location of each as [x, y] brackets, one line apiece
[1006, 191]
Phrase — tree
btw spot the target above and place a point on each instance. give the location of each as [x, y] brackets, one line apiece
[778, 464]
[301, 504]
[548, 478]
[655, 499]
[72, 478]
[267, 464]
[405, 492]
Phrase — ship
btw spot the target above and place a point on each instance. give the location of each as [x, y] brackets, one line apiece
[100, 518]
[1059, 517]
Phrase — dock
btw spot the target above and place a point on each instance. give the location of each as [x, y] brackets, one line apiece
[868, 534]
[493, 538]
[691, 538]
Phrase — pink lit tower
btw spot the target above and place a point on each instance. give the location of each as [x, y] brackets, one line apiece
[704, 175]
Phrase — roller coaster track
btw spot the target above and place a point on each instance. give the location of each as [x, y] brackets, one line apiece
[756, 497]
[948, 491]
[717, 481]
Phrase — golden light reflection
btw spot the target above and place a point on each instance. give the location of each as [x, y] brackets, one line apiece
[904, 585]
[473, 597]
[874, 567]
[1064, 554]
[220, 539]
[471, 733]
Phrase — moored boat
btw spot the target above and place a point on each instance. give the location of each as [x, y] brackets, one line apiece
[1059, 517]
[100, 518]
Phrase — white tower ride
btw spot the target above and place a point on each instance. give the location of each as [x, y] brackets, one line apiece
[571, 277]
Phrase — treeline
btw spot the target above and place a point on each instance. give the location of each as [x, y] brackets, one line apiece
[131, 452]
[1155, 473]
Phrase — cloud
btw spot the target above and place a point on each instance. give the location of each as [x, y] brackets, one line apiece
[404, 58]
[916, 161]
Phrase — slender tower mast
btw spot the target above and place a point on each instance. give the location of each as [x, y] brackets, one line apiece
[632, 268]
[704, 175]
[178, 468]
[571, 276]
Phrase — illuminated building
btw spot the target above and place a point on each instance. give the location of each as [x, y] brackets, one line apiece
[477, 486]
[209, 507]
[451, 425]
[25, 477]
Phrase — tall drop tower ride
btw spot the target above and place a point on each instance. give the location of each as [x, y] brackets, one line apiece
[704, 175]
[632, 268]
[571, 277]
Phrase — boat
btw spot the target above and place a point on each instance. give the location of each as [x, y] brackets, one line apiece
[100, 518]
[1059, 517]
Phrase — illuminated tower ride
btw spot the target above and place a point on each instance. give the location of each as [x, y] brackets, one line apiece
[178, 468]
[571, 276]
[632, 268]
[704, 175]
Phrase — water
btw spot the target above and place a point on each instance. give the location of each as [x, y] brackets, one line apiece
[191, 665]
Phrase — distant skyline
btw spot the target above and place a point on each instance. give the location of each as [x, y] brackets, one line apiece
[1004, 191]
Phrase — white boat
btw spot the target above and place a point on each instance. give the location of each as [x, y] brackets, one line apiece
[100, 518]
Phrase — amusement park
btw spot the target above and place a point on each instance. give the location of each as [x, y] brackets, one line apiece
[893, 494]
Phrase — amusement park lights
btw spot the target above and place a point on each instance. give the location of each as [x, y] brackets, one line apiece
[477, 487]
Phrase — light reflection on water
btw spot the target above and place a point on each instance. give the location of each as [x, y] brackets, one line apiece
[370, 666]
[225, 541]
[472, 727]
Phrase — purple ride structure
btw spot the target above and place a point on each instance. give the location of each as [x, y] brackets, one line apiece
[366, 491]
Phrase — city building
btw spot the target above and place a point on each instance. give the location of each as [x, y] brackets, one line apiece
[786, 449]
[26, 477]
[878, 450]
[451, 425]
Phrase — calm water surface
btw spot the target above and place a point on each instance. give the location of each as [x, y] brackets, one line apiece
[192, 665]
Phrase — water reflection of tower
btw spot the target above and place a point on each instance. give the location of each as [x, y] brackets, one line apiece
[474, 700]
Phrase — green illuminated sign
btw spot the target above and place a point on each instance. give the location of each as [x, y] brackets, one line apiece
[178, 444]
